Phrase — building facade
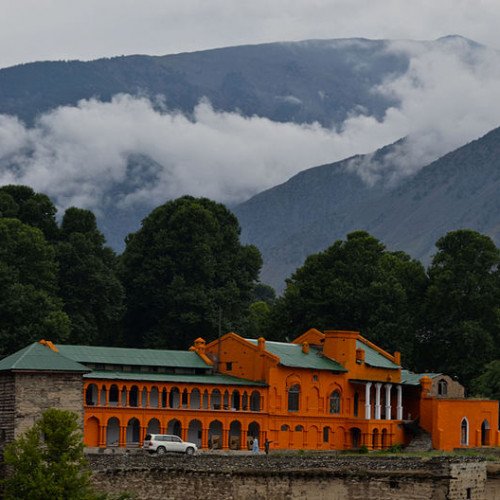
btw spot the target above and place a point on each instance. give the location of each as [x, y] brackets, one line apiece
[332, 390]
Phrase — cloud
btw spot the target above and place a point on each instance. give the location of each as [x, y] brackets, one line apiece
[78, 154]
[92, 155]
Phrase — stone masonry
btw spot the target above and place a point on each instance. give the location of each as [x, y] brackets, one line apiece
[25, 396]
[319, 477]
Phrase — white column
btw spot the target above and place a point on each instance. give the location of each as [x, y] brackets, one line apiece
[368, 407]
[388, 388]
[399, 408]
[378, 386]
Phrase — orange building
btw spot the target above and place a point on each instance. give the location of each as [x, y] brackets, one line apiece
[333, 391]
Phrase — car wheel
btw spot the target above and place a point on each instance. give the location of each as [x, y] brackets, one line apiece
[161, 450]
[190, 451]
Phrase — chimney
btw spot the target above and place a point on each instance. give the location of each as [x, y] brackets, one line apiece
[305, 347]
[397, 358]
[340, 345]
[261, 343]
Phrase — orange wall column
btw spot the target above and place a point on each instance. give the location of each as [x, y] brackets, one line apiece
[123, 436]
[102, 436]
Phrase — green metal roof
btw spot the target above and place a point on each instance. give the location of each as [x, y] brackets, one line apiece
[292, 355]
[175, 378]
[374, 358]
[40, 358]
[132, 357]
[410, 378]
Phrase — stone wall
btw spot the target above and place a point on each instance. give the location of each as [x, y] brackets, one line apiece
[7, 408]
[289, 477]
[36, 392]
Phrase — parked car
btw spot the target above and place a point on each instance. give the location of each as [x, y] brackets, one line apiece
[163, 443]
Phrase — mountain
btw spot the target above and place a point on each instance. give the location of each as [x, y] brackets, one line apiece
[320, 205]
[315, 80]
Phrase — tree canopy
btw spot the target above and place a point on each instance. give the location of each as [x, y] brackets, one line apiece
[92, 293]
[47, 461]
[183, 268]
[30, 308]
[462, 306]
[355, 284]
[33, 209]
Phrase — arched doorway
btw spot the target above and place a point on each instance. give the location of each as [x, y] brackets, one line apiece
[153, 426]
[235, 435]
[113, 432]
[133, 432]
[355, 438]
[174, 427]
[194, 432]
[485, 433]
[252, 433]
[215, 435]
[92, 432]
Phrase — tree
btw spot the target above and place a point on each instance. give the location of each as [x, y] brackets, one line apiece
[462, 306]
[93, 295]
[488, 383]
[183, 268]
[357, 285]
[47, 461]
[29, 306]
[33, 209]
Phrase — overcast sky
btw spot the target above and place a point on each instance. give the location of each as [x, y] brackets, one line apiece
[79, 154]
[33, 30]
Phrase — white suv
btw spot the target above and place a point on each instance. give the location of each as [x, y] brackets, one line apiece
[161, 443]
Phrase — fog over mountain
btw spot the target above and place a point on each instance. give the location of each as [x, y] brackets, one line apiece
[122, 135]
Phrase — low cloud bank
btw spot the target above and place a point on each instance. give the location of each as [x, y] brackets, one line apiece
[79, 155]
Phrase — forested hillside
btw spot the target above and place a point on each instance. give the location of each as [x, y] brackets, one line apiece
[319, 205]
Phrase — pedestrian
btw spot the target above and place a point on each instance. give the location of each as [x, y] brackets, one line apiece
[255, 445]
[266, 446]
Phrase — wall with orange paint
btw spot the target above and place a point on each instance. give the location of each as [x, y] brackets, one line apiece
[443, 419]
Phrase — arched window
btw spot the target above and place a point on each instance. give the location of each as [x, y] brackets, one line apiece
[464, 432]
[294, 397]
[442, 387]
[335, 402]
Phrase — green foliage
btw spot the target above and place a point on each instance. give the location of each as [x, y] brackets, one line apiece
[264, 293]
[255, 324]
[357, 285]
[33, 209]
[89, 286]
[488, 383]
[184, 265]
[47, 461]
[462, 306]
[29, 307]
